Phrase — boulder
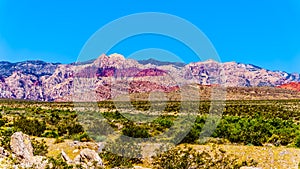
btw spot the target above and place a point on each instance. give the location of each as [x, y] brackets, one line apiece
[88, 157]
[20, 145]
[66, 157]
[39, 162]
[101, 146]
[22, 149]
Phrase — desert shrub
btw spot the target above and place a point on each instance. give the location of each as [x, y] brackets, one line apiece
[115, 160]
[164, 122]
[268, 111]
[57, 163]
[195, 131]
[136, 131]
[6, 134]
[69, 128]
[50, 134]
[187, 157]
[2, 120]
[254, 130]
[128, 153]
[113, 115]
[53, 118]
[32, 127]
[297, 141]
[84, 137]
[96, 126]
[39, 147]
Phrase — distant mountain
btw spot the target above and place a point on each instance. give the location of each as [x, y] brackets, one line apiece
[38, 68]
[109, 76]
[160, 63]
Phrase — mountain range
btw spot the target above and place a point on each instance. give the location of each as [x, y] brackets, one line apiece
[109, 76]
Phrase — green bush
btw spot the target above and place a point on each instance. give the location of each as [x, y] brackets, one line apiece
[32, 127]
[165, 122]
[2, 120]
[254, 130]
[297, 141]
[6, 134]
[136, 131]
[69, 128]
[84, 137]
[128, 153]
[39, 147]
[50, 134]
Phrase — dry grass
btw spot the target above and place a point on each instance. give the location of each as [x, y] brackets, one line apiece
[67, 146]
[267, 157]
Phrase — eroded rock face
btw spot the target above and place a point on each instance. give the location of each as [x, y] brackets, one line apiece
[20, 145]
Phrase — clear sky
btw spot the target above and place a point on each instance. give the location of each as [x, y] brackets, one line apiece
[261, 32]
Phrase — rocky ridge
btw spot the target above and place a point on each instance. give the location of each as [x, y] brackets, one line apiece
[109, 76]
[22, 156]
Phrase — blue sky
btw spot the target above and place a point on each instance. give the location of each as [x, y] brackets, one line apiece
[261, 32]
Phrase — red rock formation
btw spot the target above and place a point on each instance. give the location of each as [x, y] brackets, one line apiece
[291, 86]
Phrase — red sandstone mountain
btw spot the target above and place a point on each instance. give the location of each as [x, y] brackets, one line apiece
[108, 76]
[291, 86]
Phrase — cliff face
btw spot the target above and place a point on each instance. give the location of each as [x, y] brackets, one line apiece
[108, 76]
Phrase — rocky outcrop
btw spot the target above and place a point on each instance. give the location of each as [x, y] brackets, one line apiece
[291, 86]
[22, 149]
[20, 145]
[22, 156]
[88, 158]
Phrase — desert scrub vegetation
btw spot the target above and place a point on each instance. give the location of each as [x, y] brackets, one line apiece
[121, 152]
[243, 122]
[187, 157]
[254, 130]
[39, 147]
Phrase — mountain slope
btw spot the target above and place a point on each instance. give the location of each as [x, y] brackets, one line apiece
[109, 76]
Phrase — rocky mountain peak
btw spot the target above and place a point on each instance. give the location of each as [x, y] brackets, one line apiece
[116, 56]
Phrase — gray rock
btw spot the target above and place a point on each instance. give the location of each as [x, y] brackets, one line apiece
[20, 145]
[22, 149]
[66, 157]
[101, 146]
[3, 153]
[88, 157]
